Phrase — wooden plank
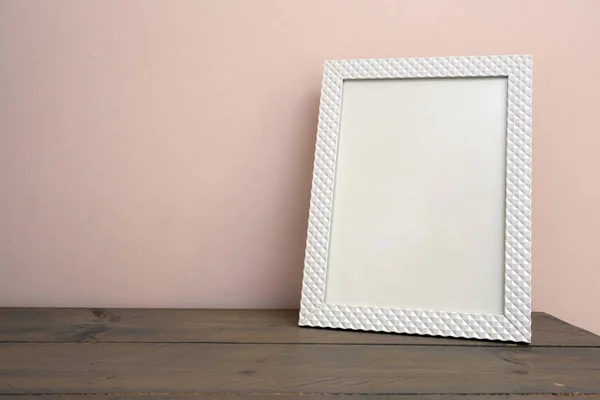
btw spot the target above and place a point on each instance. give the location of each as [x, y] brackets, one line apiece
[185, 396]
[294, 369]
[230, 326]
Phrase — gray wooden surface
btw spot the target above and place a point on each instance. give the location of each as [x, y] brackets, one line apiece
[280, 396]
[257, 354]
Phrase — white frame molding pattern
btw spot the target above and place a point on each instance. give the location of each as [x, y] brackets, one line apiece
[515, 323]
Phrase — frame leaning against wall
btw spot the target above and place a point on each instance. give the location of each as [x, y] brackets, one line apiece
[515, 322]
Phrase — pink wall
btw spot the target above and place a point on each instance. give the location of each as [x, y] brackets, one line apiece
[158, 153]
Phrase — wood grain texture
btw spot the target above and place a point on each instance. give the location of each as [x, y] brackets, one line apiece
[293, 369]
[184, 396]
[230, 326]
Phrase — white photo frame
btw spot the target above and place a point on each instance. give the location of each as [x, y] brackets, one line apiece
[356, 96]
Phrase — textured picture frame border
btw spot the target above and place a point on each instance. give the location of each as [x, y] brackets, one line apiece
[515, 323]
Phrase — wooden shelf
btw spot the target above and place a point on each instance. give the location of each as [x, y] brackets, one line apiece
[256, 354]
